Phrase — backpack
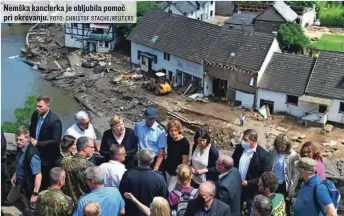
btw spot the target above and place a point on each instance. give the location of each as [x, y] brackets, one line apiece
[333, 192]
[184, 199]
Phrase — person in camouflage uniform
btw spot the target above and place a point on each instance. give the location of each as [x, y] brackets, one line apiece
[52, 201]
[76, 185]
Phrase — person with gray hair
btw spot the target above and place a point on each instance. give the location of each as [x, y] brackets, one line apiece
[82, 127]
[114, 169]
[52, 201]
[27, 178]
[146, 157]
[143, 183]
[206, 203]
[262, 206]
[75, 166]
[229, 185]
[108, 198]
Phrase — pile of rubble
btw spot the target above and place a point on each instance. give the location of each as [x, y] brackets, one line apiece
[326, 29]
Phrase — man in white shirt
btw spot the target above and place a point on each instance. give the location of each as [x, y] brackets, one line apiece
[114, 169]
[82, 127]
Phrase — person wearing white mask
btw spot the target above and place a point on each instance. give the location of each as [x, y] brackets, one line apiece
[252, 161]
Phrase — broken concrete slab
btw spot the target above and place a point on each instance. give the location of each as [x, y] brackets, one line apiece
[328, 128]
[11, 211]
[282, 129]
[302, 136]
[74, 59]
[35, 67]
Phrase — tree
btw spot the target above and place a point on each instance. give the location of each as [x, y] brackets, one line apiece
[22, 116]
[292, 37]
[141, 8]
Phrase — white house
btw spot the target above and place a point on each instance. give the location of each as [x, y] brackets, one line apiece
[306, 15]
[235, 64]
[173, 44]
[200, 10]
[94, 37]
[307, 88]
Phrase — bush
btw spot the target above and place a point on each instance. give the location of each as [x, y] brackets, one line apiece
[332, 15]
[292, 38]
[22, 116]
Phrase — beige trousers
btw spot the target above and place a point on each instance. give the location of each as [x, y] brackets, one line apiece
[171, 182]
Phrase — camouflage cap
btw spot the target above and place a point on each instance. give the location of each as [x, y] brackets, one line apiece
[306, 163]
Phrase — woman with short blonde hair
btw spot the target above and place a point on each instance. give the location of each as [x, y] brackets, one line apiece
[184, 175]
[178, 149]
[159, 206]
[120, 135]
[92, 209]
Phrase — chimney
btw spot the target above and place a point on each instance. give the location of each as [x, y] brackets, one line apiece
[274, 33]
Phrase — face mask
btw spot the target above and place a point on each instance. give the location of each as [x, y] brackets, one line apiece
[244, 144]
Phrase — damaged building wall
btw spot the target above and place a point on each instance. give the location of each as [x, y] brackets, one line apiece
[280, 103]
[333, 111]
[172, 65]
[236, 80]
[247, 100]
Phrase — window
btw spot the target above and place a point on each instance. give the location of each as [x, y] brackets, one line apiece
[163, 70]
[292, 100]
[86, 25]
[138, 55]
[143, 60]
[75, 25]
[211, 2]
[211, 13]
[106, 44]
[98, 31]
[341, 107]
[191, 13]
[166, 56]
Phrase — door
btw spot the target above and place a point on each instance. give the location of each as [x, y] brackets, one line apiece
[144, 63]
[219, 87]
[269, 103]
[322, 108]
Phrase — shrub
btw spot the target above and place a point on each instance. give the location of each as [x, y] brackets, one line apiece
[22, 116]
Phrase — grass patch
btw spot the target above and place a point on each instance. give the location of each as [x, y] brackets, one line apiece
[331, 42]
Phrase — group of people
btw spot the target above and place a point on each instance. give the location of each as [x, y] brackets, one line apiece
[130, 172]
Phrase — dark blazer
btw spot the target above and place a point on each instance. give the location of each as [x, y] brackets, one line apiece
[49, 139]
[218, 207]
[260, 162]
[228, 190]
[144, 184]
[212, 173]
[130, 142]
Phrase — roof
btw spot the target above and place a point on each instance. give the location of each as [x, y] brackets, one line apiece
[184, 6]
[243, 18]
[287, 73]
[327, 78]
[177, 35]
[285, 11]
[250, 49]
